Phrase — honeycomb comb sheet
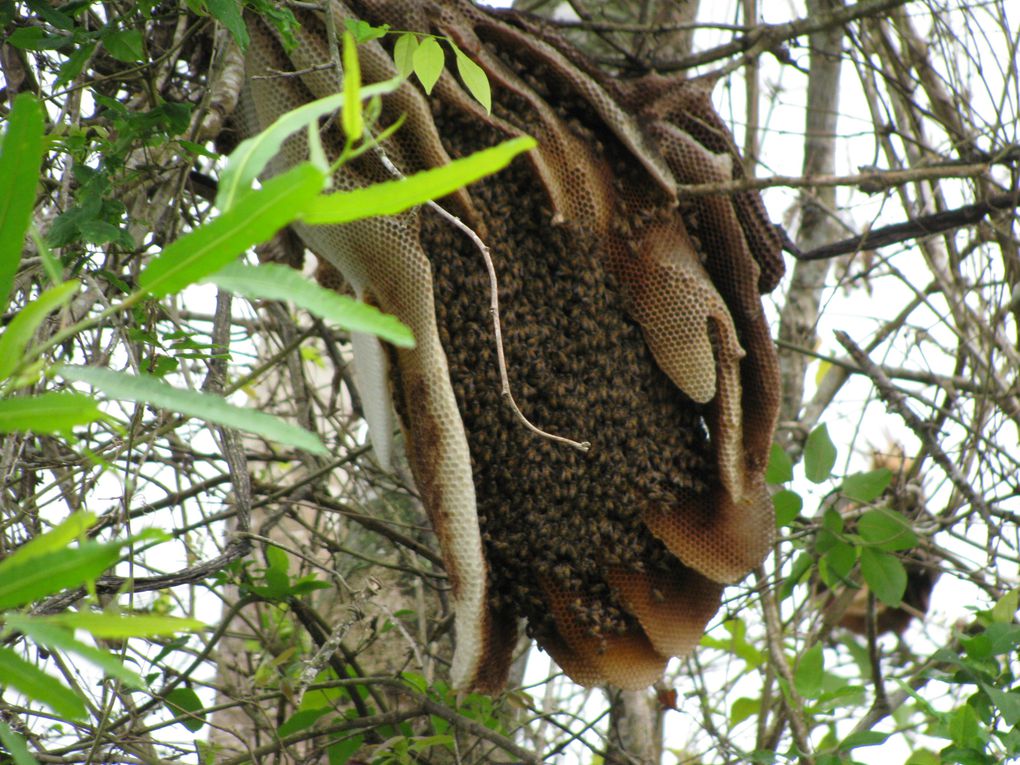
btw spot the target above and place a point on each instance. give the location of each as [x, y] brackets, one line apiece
[630, 320]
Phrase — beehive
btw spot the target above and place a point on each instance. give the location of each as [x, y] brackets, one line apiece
[629, 320]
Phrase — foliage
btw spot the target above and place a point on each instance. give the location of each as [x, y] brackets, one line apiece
[136, 343]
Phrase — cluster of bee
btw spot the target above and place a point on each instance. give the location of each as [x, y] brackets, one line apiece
[578, 366]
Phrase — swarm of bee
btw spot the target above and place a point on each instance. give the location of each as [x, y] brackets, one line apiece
[630, 320]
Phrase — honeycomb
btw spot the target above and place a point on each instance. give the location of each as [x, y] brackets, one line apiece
[630, 319]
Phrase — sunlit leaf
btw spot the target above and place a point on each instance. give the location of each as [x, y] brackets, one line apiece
[277, 282]
[350, 117]
[51, 412]
[474, 78]
[403, 53]
[37, 685]
[15, 746]
[110, 625]
[788, 505]
[57, 538]
[204, 406]
[20, 157]
[253, 154]
[428, 62]
[44, 632]
[23, 580]
[392, 197]
[19, 332]
[254, 219]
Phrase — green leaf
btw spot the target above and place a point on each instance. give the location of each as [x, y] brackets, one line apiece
[124, 45]
[837, 562]
[72, 66]
[403, 53]
[863, 738]
[365, 32]
[743, 708]
[21, 155]
[184, 702]
[37, 685]
[788, 505]
[807, 679]
[886, 530]
[474, 79]
[25, 580]
[107, 625]
[884, 574]
[14, 745]
[350, 117]
[253, 154]
[1005, 608]
[52, 412]
[228, 13]
[392, 197]
[273, 281]
[428, 63]
[780, 467]
[300, 720]
[342, 751]
[866, 487]
[964, 727]
[254, 219]
[204, 406]
[819, 455]
[44, 632]
[57, 538]
[1008, 703]
[19, 332]
[923, 757]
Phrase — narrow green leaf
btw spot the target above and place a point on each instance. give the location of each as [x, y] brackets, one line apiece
[106, 625]
[228, 13]
[26, 321]
[473, 77]
[866, 487]
[205, 406]
[273, 281]
[351, 118]
[788, 505]
[22, 581]
[819, 455]
[392, 197]
[57, 538]
[184, 702]
[886, 530]
[807, 679]
[780, 467]
[428, 63]
[52, 412]
[21, 155]
[15, 745]
[124, 45]
[45, 633]
[37, 685]
[884, 574]
[253, 154]
[252, 220]
[403, 53]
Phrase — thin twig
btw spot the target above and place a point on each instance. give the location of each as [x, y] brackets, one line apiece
[582, 446]
[897, 402]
